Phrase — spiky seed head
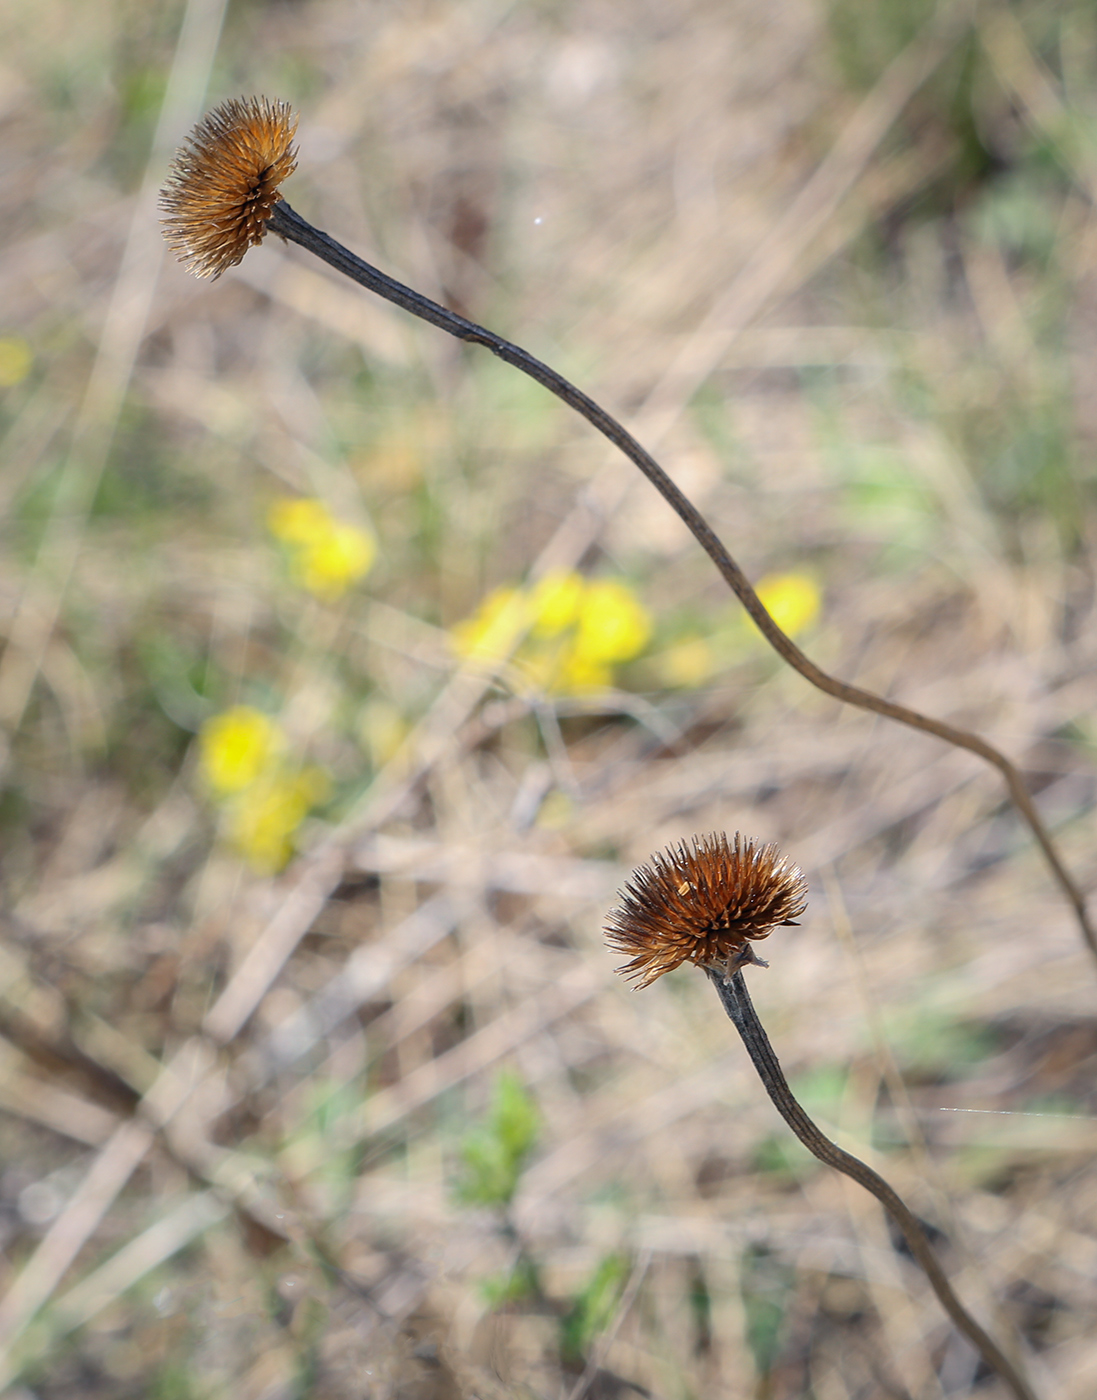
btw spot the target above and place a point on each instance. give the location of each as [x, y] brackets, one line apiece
[703, 903]
[223, 183]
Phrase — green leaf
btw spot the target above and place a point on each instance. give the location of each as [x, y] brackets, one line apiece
[592, 1308]
[521, 1284]
[496, 1152]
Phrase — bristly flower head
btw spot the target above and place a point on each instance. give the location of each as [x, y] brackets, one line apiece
[703, 903]
[223, 183]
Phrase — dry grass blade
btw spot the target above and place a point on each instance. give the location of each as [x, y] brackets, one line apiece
[54, 1108]
[81, 1216]
[163, 1239]
[364, 976]
[475, 1054]
[38, 610]
[277, 940]
[806, 218]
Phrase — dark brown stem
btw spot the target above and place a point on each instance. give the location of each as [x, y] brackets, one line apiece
[291, 226]
[738, 1005]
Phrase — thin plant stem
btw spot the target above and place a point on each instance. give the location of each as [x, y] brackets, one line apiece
[287, 223]
[736, 1001]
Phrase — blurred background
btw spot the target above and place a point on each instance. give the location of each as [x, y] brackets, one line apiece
[346, 675]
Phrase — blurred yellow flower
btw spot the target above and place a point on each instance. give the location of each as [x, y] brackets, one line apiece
[326, 556]
[492, 631]
[329, 567]
[613, 625]
[576, 674]
[792, 600]
[566, 633]
[556, 600]
[15, 360]
[261, 821]
[263, 797]
[237, 747]
[298, 520]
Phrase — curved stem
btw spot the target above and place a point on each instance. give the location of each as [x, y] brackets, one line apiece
[287, 223]
[736, 1001]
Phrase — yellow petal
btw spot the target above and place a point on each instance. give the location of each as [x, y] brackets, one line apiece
[556, 601]
[298, 520]
[262, 820]
[613, 624]
[329, 564]
[237, 747]
[580, 674]
[492, 631]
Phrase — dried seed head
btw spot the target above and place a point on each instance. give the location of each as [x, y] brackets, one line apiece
[703, 903]
[223, 183]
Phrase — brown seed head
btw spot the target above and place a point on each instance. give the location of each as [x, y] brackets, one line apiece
[701, 903]
[223, 183]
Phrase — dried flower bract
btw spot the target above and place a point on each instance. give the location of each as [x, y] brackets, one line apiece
[223, 183]
[703, 903]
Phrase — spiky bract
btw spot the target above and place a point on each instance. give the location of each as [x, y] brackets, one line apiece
[703, 903]
[223, 183]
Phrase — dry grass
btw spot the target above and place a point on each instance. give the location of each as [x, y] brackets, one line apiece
[232, 1107]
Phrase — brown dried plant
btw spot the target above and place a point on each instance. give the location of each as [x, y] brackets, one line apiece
[223, 184]
[700, 903]
[222, 197]
[704, 903]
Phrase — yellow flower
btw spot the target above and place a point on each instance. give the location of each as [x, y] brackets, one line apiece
[613, 624]
[15, 360]
[326, 556]
[298, 520]
[492, 631]
[556, 601]
[578, 674]
[566, 633]
[329, 567]
[264, 799]
[262, 820]
[792, 600]
[237, 747]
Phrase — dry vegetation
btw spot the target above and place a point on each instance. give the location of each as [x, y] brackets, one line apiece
[247, 1141]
